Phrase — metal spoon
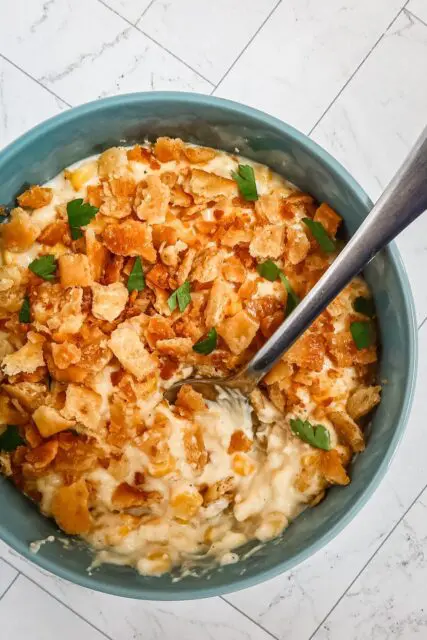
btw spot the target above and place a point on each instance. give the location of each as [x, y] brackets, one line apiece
[402, 202]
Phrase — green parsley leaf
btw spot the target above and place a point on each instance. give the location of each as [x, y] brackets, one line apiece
[363, 334]
[245, 179]
[172, 301]
[327, 244]
[10, 439]
[44, 267]
[208, 344]
[364, 306]
[317, 435]
[180, 297]
[79, 214]
[25, 314]
[292, 300]
[268, 270]
[136, 280]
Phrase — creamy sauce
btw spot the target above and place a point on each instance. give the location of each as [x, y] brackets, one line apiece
[255, 497]
[266, 498]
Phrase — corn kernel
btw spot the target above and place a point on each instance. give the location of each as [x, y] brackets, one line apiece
[130, 523]
[243, 465]
[162, 468]
[155, 445]
[186, 505]
[272, 526]
[83, 174]
[156, 562]
[214, 533]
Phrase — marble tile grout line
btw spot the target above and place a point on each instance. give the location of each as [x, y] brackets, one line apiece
[245, 615]
[361, 570]
[361, 63]
[414, 15]
[246, 46]
[25, 575]
[368, 562]
[135, 26]
[150, 4]
[76, 613]
[173, 55]
[11, 584]
[422, 323]
[34, 80]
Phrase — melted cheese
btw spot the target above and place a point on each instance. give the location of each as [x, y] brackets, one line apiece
[265, 500]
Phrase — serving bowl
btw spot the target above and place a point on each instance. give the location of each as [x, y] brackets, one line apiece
[53, 145]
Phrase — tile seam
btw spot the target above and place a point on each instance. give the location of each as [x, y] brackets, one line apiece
[264, 22]
[156, 42]
[367, 563]
[58, 97]
[245, 615]
[8, 588]
[354, 73]
[49, 593]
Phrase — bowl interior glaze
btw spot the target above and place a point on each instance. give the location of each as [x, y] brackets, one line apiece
[48, 148]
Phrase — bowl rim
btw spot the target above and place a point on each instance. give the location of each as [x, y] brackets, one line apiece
[408, 315]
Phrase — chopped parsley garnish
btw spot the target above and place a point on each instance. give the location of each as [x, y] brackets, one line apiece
[44, 267]
[319, 232]
[363, 334]
[79, 214]
[10, 439]
[270, 271]
[136, 280]
[180, 297]
[245, 178]
[365, 306]
[317, 435]
[24, 313]
[208, 344]
[292, 300]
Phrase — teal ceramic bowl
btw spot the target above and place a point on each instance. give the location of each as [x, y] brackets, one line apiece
[48, 148]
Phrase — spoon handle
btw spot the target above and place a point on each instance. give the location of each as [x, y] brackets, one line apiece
[402, 202]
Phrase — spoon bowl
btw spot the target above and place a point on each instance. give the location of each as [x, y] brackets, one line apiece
[209, 387]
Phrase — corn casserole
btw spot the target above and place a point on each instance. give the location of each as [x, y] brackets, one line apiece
[140, 267]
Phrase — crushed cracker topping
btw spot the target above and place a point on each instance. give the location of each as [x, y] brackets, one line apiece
[83, 381]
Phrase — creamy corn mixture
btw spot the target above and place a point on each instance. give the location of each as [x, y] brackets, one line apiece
[146, 265]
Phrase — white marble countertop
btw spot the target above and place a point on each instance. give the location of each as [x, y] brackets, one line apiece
[352, 74]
